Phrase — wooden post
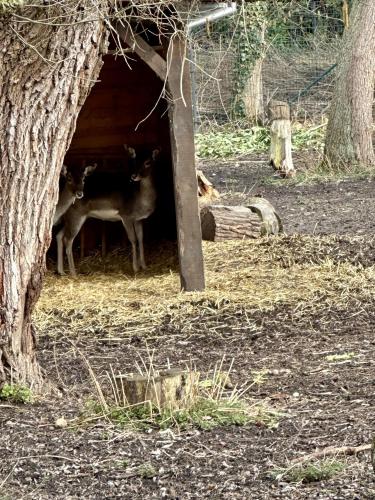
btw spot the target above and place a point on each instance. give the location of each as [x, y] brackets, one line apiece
[176, 71]
[184, 175]
[281, 138]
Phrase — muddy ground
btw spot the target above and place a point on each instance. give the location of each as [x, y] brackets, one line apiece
[321, 406]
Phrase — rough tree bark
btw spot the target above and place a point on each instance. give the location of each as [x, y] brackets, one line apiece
[46, 72]
[253, 92]
[349, 130]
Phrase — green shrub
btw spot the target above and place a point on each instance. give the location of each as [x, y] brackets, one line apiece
[16, 393]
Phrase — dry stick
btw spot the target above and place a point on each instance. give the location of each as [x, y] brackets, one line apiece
[332, 450]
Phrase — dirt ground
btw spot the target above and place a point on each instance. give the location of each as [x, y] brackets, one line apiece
[320, 404]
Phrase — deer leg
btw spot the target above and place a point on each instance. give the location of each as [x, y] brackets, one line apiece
[60, 252]
[129, 228]
[71, 229]
[138, 226]
[69, 254]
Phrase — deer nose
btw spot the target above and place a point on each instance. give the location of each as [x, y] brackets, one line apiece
[79, 195]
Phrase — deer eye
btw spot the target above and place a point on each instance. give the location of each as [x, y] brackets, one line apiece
[69, 178]
[147, 163]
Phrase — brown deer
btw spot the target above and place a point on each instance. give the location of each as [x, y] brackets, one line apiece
[130, 203]
[72, 182]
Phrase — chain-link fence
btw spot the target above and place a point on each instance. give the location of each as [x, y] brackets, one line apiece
[298, 66]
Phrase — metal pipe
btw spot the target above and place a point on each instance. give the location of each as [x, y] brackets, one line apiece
[213, 16]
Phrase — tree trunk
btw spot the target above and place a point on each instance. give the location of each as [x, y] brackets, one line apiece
[46, 72]
[253, 95]
[349, 130]
[253, 91]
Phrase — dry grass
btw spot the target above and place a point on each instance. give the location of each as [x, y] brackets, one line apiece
[242, 276]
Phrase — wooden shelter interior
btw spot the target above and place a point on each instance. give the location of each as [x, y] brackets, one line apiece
[124, 107]
[128, 106]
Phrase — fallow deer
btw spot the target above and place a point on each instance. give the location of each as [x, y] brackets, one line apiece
[130, 203]
[72, 183]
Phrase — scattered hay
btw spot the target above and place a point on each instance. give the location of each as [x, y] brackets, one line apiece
[242, 277]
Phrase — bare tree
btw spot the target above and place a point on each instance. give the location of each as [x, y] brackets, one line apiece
[50, 57]
[349, 131]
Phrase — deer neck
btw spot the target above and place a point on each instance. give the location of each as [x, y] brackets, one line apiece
[66, 199]
[147, 187]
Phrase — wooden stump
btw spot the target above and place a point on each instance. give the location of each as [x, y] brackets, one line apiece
[281, 138]
[220, 223]
[165, 389]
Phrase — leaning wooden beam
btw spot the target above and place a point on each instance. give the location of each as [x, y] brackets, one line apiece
[184, 175]
[144, 51]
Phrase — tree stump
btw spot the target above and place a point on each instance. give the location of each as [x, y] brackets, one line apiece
[220, 223]
[281, 138]
[165, 389]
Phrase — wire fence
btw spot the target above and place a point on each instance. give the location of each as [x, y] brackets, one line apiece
[298, 66]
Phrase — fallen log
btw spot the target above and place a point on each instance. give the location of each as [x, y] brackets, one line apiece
[228, 223]
[220, 223]
[165, 389]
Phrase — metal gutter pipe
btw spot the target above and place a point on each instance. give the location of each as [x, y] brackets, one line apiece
[213, 16]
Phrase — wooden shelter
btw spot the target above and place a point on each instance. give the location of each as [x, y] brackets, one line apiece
[144, 100]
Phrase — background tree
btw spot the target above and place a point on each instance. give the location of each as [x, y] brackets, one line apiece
[350, 124]
[50, 57]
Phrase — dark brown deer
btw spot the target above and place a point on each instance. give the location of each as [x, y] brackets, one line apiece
[72, 182]
[130, 203]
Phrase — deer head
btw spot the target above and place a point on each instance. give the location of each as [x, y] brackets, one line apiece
[75, 178]
[145, 165]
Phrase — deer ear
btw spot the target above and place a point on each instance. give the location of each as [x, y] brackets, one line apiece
[130, 151]
[156, 153]
[64, 170]
[89, 169]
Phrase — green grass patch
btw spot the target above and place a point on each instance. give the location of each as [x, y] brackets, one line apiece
[230, 141]
[214, 402]
[310, 472]
[15, 393]
[322, 173]
[205, 414]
